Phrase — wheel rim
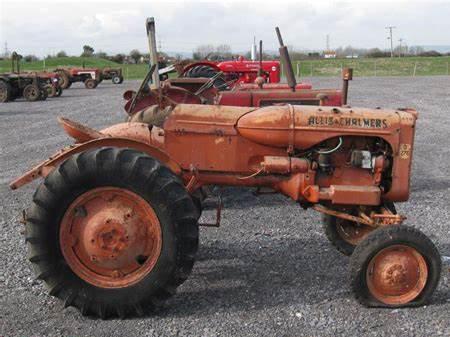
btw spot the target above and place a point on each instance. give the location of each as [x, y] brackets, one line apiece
[352, 232]
[110, 237]
[397, 274]
[32, 92]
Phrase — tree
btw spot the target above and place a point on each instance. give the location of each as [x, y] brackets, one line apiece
[61, 53]
[30, 58]
[101, 55]
[202, 52]
[118, 58]
[135, 55]
[88, 51]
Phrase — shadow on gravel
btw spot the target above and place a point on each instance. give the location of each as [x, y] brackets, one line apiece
[260, 274]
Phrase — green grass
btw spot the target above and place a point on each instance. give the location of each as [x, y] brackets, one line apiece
[424, 66]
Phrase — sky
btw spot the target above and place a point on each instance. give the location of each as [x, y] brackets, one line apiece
[44, 27]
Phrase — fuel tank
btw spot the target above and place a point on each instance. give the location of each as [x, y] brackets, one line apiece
[304, 126]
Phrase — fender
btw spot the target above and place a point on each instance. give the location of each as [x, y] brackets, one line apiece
[47, 166]
[202, 63]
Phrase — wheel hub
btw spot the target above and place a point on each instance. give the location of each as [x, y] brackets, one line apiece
[397, 274]
[110, 237]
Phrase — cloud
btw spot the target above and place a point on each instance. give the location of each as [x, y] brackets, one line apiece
[181, 26]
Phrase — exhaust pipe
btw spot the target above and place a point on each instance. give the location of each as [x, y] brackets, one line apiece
[287, 65]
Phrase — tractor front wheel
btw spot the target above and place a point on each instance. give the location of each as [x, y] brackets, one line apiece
[344, 234]
[112, 232]
[395, 266]
[90, 83]
[32, 93]
[51, 90]
[117, 79]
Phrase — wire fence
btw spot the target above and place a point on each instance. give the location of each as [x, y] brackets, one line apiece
[374, 67]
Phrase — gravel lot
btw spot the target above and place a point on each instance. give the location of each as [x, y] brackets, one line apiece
[269, 270]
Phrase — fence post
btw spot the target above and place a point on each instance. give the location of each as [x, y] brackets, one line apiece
[298, 69]
[128, 75]
[311, 69]
[415, 68]
[447, 68]
[375, 66]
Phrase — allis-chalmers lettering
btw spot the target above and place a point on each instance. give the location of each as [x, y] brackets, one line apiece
[374, 123]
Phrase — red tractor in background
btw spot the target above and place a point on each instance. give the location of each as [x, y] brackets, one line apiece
[216, 90]
[238, 71]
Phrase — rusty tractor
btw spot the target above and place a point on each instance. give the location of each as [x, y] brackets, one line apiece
[91, 77]
[215, 90]
[113, 227]
[33, 86]
[113, 74]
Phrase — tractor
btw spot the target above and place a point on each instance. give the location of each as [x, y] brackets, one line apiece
[91, 77]
[113, 227]
[216, 90]
[15, 84]
[113, 74]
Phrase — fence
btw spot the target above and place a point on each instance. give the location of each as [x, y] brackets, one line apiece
[374, 67]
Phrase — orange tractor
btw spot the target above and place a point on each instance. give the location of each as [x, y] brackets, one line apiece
[113, 227]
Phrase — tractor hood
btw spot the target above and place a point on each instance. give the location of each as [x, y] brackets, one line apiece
[305, 126]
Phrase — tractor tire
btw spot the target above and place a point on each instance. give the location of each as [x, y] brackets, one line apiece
[5, 92]
[90, 83]
[344, 235]
[51, 90]
[64, 79]
[395, 266]
[132, 212]
[32, 93]
[207, 72]
[117, 79]
[43, 94]
[59, 91]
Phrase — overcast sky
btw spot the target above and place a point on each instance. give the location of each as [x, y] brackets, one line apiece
[45, 27]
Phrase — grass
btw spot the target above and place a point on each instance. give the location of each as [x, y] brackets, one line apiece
[405, 66]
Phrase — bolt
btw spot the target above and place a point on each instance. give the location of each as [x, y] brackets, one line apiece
[117, 274]
[93, 258]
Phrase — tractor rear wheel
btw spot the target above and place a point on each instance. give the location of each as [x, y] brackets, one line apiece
[5, 92]
[207, 72]
[395, 266]
[32, 93]
[344, 234]
[64, 79]
[112, 232]
[90, 83]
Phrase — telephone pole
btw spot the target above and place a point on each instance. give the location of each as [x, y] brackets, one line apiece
[390, 38]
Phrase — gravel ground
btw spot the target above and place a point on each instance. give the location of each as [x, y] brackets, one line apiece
[269, 270]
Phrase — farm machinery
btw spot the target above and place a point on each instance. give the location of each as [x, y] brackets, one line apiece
[91, 77]
[216, 90]
[113, 227]
[32, 86]
[113, 74]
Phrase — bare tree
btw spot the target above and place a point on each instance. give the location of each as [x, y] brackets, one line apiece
[201, 52]
[135, 55]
